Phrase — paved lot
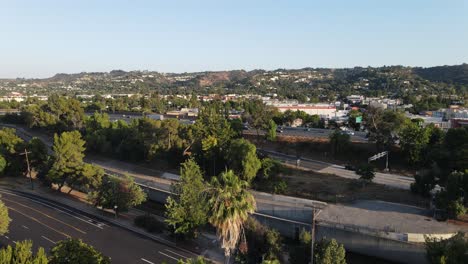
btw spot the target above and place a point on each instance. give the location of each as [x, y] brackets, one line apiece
[46, 222]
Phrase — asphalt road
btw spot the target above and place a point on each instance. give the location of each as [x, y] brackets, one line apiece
[391, 180]
[310, 133]
[46, 222]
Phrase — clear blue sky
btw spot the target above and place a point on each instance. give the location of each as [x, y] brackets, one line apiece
[40, 37]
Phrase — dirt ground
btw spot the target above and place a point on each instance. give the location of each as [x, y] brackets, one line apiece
[330, 188]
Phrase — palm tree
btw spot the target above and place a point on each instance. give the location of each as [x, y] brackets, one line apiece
[230, 204]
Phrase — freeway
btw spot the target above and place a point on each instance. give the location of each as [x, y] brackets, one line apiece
[391, 180]
[46, 222]
[310, 133]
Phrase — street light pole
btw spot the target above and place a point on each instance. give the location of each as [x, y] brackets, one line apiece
[315, 213]
[26, 152]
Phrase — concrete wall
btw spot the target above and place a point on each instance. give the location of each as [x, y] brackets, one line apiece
[398, 251]
[155, 194]
[290, 221]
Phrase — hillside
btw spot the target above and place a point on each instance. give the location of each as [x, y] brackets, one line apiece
[316, 84]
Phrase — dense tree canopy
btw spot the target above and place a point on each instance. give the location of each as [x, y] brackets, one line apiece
[22, 253]
[242, 159]
[122, 192]
[76, 251]
[186, 211]
[68, 157]
[448, 251]
[58, 113]
[4, 219]
[383, 126]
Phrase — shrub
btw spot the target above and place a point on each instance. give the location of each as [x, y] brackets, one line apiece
[261, 243]
[280, 186]
[149, 223]
[198, 260]
[452, 250]
[300, 253]
[329, 252]
[270, 168]
[366, 172]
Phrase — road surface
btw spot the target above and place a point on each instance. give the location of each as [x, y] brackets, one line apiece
[310, 133]
[46, 222]
[391, 180]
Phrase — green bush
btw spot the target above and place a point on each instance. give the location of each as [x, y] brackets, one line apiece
[366, 172]
[299, 253]
[280, 186]
[329, 252]
[149, 223]
[456, 208]
[452, 250]
[261, 243]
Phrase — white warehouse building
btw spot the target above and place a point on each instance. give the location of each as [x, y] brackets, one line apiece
[322, 110]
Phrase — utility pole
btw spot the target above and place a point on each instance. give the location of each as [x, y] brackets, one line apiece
[315, 213]
[25, 153]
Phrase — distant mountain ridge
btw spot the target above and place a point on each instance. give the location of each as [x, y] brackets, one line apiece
[454, 73]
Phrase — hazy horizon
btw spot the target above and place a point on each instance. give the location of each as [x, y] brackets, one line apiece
[222, 70]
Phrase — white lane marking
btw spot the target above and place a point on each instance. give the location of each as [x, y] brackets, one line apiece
[6, 237]
[50, 240]
[25, 227]
[147, 261]
[176, 253]
[168, 256]
[56, 207]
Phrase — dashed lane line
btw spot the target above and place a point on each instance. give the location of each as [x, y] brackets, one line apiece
[177, 254]
[46, 215]
[147, 261]
[167, 256]
[56, 207]
[48, 239]
[36, 220]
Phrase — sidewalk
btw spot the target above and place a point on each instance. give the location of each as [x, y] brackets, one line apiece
[205, 245]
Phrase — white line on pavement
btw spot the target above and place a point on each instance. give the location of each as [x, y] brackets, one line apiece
[147, 261]
[176, 253]
[7, 237]
[168, 256]
[25, 227]
[56, 207]
[50, 240]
